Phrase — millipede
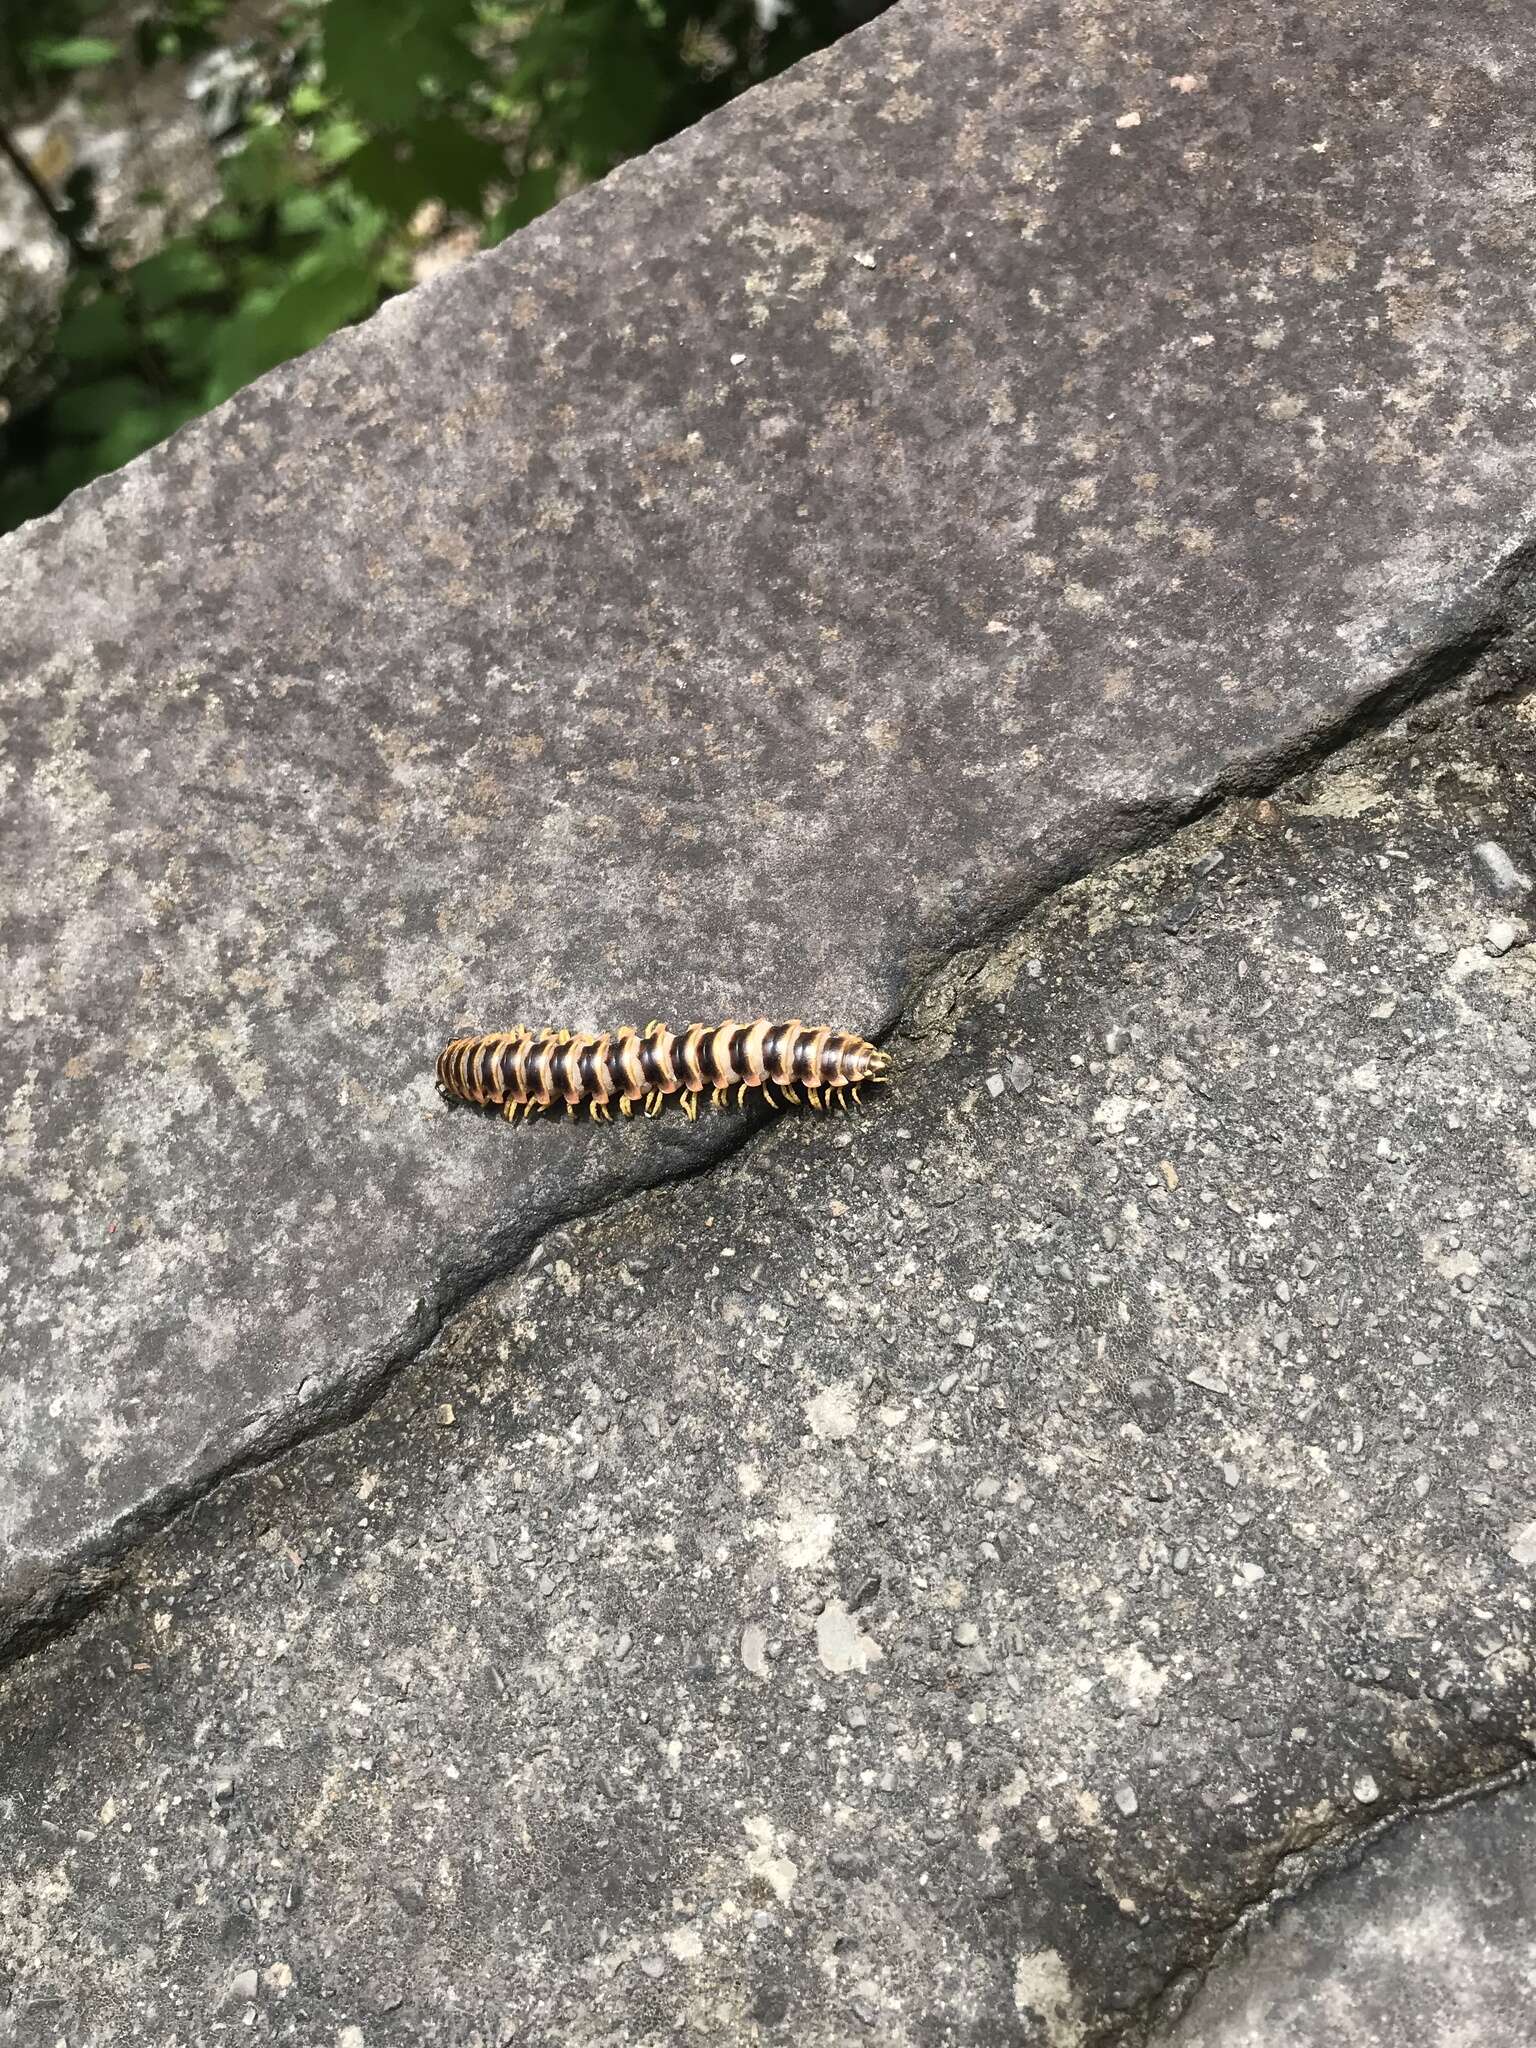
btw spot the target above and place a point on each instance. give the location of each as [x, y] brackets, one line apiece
[522, 1071]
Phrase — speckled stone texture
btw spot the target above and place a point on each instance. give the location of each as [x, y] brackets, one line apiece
[918, 1583]
[1429, 1939]
[949, 466]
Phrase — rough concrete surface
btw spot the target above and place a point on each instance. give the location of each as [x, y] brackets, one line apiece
[918, 1582]
[950, 465]
[1429, 1939]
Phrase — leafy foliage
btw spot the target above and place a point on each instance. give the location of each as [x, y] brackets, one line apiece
[372, 132]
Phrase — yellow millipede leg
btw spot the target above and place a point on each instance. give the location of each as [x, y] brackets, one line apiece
[741, 1096]
[790, 1095]
[858, 1098]
[654, 1025]
[626, 1107]
[691, 1105]
[653, 1103]
[813, 1097]
[509, 1111]
[717, 1098]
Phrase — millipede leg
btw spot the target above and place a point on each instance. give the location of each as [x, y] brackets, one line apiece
[690, 1102]
[813, 1097]
[570, 1109]
[653, 1103]
[626, 1107]
[790, 1095]
[717, 1098]
[741, 1096]
[858, 1097]
[654, 1025]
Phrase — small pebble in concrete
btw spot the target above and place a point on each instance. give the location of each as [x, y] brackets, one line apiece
[1117, 1041]
[1366, 1790]
[994, 1085]
[966, 1633]
[1154, 1402]
[1201, 1376]
[243, 1987]
[445, 1414]
[1176, 918]
[1507, 879]
[1208, 863]
[1503, 935]
[1125, 1798]
[1020, 1074]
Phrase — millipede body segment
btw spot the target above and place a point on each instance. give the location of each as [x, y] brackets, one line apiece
[521, 1071]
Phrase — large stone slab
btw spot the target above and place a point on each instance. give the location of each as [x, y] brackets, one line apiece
[1430, 1937]
[920, 1583]
[948, 466]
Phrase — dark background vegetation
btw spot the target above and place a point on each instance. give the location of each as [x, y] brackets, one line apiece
[350, 139]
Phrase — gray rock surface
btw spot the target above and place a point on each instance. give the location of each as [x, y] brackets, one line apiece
[954, 463]
[921, 1582]
[1431, 1938]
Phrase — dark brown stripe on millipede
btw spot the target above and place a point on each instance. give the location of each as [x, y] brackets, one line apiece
[803, 1042]
[506, 1067]
[832, 1061]
[461, 1067]
[586, 1073]
[618, 1080]
[485, 1067]
[773, 1045]
[650, 1065]
[513, 1063]
[709, 1073]
[559, 1071]
[737, 1050]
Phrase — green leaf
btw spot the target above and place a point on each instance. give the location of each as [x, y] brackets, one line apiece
[305, 213]
[536, 192]
[334, 141]
[435, 159]
[98, 408]
[70, 53]
[259, 173]
[140, 427]
[386, 64]
[95, 331]
[271, 328]
[180, 271]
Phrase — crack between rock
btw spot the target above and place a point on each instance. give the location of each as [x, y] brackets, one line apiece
[1293, 1876]
[1499, 613]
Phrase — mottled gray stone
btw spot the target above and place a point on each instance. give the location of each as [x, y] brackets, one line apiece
[1430, 1938]
[910, 1628]
[950, 465]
